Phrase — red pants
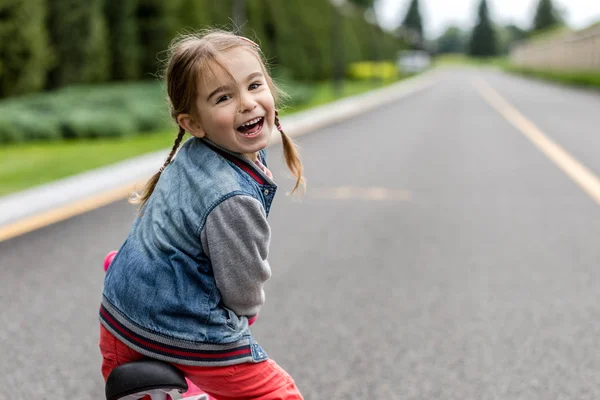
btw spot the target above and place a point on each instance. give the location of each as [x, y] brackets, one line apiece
[261, 381]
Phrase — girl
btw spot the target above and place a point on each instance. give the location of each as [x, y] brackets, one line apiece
[190, 275]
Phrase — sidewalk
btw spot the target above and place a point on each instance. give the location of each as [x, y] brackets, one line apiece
[65, 193]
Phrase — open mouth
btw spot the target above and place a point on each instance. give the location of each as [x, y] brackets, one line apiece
[252, 127]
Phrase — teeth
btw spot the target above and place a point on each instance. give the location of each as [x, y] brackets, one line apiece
[254, 121]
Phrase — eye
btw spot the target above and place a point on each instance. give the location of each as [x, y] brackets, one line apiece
[222, 99]
[254, 85]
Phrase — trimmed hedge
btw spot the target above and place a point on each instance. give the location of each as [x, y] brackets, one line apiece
[84, 112]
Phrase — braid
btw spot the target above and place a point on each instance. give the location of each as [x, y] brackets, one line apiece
[291, 157]
[178, 140]
[142, 198]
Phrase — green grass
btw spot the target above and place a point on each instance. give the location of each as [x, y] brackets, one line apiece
[29, 164]
[25, 165]
[587, 79]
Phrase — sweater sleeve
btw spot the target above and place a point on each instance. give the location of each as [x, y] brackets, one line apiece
[236, 238]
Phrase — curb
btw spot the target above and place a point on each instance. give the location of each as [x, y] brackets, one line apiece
[45, 204]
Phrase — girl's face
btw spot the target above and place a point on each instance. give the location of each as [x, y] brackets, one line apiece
[236, 114]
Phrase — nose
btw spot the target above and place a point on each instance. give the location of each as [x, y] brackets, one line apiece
[247, 103]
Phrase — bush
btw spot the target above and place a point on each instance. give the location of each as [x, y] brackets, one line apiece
[91, 124]
[385, 70]
[36, 127]
[19, 123]
[84, 112]
[8, 132]
[298, 93]
[148, 117]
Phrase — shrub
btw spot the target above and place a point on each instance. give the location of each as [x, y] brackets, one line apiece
[86, 111]
[8, 132]
[90, 124]
[369, 70]
[299, 93]
[36, 127]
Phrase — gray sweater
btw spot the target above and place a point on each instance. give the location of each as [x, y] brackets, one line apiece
[236, 238]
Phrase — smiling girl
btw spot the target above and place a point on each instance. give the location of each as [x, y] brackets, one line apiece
[189, 277]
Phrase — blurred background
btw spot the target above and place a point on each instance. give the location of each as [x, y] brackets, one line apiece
[482, 255]
[80, 79]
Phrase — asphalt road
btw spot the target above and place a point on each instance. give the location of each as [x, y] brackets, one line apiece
[438, 254]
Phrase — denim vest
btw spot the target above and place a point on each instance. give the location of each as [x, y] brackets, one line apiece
[160, 296]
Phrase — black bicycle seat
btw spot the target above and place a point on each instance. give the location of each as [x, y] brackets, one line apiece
[143, 376]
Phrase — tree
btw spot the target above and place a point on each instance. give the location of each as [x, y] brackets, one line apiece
[453, 40]
[483, 38]
[261, 28]
[78, 34]
[221, 12]
[24, 53]
[123, 40]
[546, 16]
[508, 35]
[364, 4]
[412, 25]
[157, 24]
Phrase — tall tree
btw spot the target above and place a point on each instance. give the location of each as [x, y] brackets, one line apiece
[368, 13]
[453, 40]
[483, 38]
[221, 12]
[546, 16]
[24, 53]
[194, 15]
[413, 23]
[123, 40]
[157, 25]
[364, 4]
[508, 35]
[78, 35]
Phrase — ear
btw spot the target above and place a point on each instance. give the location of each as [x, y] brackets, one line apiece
[189, 124]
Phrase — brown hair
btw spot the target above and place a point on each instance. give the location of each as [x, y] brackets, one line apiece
[191, 56]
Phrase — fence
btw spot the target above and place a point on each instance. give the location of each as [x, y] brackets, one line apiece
[569, 51]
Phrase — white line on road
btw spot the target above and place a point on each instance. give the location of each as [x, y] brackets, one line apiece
[581, 175]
